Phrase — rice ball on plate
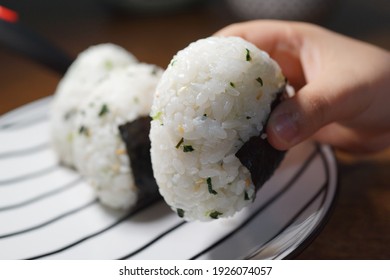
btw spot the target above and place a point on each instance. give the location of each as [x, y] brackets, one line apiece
[214, 96]
[99, 151]
[90, 68]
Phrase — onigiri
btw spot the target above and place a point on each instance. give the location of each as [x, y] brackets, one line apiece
[215, 95]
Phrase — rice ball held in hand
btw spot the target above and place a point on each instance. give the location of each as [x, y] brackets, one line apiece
[213, 99]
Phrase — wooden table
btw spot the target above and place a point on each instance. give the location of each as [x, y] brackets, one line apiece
[359, 227]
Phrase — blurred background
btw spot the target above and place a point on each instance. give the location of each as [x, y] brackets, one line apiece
[155, 30]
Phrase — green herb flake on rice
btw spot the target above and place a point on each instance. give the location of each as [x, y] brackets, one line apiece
[210, 186]
[215, 214]
[179, 143]
[180, 212]
[83, 130]
[248, 55]
[188, 148]
[260, 80]
[104, 110]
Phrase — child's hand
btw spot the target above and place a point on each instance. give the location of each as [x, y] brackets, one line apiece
[343, 85]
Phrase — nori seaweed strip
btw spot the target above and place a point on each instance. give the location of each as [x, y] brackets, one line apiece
[135, 135]
[259, 156]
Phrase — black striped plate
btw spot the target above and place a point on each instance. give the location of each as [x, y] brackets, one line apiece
[49, 212]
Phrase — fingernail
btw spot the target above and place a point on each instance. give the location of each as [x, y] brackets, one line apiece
[285, 127]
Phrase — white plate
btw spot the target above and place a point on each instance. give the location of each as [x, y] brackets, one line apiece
[49, 212]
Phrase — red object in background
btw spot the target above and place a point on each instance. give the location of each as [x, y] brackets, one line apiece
[8, 14]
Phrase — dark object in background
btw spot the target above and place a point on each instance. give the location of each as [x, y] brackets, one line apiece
[151, 6]
[20, 39]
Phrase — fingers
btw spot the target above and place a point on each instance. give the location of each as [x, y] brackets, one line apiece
[288, 124]
[356, 101]
[332, 88]
[301, 116]
[351, 140]
[297, 118]
[266, 34]
[282, 40]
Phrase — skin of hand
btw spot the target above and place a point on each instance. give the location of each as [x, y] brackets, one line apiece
[342, 85]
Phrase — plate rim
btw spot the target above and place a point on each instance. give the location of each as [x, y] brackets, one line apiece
[329, 212]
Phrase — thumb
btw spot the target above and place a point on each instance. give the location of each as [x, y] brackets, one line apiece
[299, 117]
